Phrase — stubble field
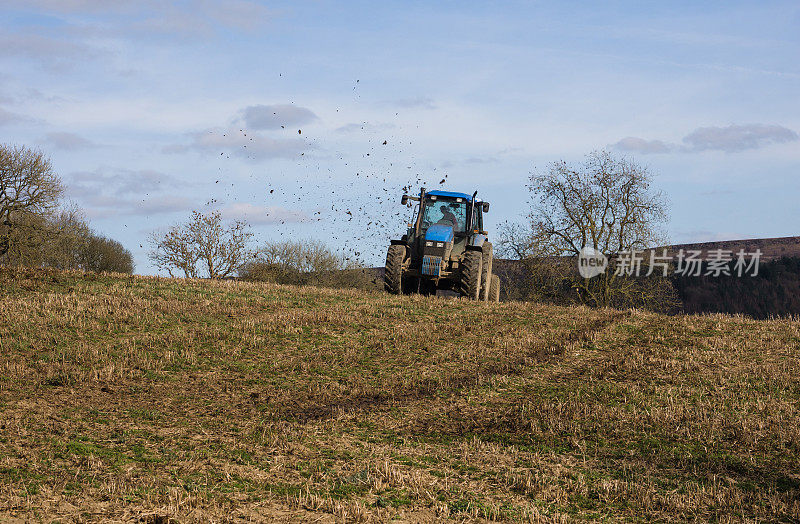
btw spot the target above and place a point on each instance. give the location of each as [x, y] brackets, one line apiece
[156, 400]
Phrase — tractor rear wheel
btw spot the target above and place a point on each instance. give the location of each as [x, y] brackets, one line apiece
[471, 266]
[494, 289]
[486, 274]
[393, 274]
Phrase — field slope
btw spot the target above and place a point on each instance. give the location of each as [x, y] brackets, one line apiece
[134, 398]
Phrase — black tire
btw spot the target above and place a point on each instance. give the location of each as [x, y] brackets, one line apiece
[393, 274]
[494, 289]
[486, 273]
[470, 282]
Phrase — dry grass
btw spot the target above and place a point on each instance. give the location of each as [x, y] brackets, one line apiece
[134, 398]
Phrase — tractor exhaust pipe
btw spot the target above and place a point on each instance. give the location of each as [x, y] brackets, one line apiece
[419, 215]
[472, 212]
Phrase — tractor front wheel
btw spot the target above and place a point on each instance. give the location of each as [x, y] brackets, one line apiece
[471, 268]
[393, 274]
[494, 289]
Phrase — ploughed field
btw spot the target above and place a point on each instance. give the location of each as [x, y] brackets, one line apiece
[138, 398]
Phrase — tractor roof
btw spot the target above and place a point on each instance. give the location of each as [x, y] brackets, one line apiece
[452, 194]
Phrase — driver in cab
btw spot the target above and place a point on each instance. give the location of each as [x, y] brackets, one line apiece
[448, 218]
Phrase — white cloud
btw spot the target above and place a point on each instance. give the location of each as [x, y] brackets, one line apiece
[257, 215]
[67, 141]
[276, 116]
[640, 145]
[737, 137]
[731, 139]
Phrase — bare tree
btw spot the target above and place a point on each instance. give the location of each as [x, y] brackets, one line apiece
[608, 204]
[28, 188]
[174, 250]
[303, 256]
[307, 262]
[203, 246]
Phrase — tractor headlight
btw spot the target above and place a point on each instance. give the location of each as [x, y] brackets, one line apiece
[439, 244]
[429, 243]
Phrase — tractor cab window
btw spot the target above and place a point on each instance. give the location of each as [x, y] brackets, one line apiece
[448, 212]
[477, 222]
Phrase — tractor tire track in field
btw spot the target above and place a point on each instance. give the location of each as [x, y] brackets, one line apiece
[429, 388]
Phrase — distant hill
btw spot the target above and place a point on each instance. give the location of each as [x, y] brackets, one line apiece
[771, 248]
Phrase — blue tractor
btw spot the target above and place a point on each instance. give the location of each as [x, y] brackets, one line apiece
[445, 248]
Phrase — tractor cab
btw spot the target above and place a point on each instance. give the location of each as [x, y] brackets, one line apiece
[443, 248]
[440, 211]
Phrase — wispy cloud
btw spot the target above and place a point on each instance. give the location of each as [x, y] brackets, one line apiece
[242, 144]
[75, 6]
[7, 117]
[481, 160]
[125, 181]
[104, 193]
[67, 141]
[201, 18]
[259, 215]
[737, 138]
[188, 18]
[261, 117]
[417, 102]
[354, 127]
[51, 53]
[640, 145]
[730, 139]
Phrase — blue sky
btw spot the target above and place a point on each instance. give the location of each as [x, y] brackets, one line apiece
[151, 109]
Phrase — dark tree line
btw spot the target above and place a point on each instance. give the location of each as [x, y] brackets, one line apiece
[38, 230]
[773, 292]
